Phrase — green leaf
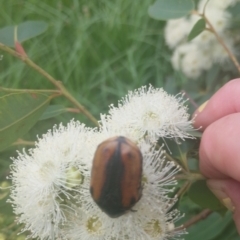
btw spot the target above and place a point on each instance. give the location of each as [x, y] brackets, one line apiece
[195, 133]
[211, 227]
[234, 10]
[230, 232]
[25, 31]
[31, 29]
[18, 113]
[201, 195]
[235, 17]
[52, 111]
[178, 150]
[198, 28]
[169, 9]
[193, 164]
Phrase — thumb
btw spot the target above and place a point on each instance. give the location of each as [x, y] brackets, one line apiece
[228, 192]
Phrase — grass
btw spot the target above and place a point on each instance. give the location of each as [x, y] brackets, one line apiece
[98, 49]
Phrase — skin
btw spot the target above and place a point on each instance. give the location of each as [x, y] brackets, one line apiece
[220, 145]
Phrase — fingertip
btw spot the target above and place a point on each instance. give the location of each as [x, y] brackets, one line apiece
[196, 114]
[201, 108]
[224, 102]
[207, 155]
[228, 192]
[219, 151]
[233, 191]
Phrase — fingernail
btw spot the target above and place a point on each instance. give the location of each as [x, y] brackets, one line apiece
[227, 202]
[217, 187]
[200, 109]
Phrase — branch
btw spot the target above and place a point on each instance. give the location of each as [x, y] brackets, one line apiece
[212, 29]
[201, 216]
[55, 82]
[230, 54]
[190, 176]
[183, 189]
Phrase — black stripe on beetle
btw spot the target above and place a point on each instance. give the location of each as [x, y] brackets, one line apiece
[116, 176]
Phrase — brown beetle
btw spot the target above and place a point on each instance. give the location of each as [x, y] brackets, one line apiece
[116, 175]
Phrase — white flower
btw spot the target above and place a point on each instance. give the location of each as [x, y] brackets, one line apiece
[191, 60]
[45, 178]
[203, 51]
[204, 40]
[51, 183]
[150, 217]
[148, 113]
[216, 4]
[138, 225]
[176, 30]
[220, 19]
[219, 54]
[51, 194]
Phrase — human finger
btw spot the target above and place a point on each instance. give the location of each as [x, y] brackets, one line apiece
[220, 148]
[224, 102]
[228, 192]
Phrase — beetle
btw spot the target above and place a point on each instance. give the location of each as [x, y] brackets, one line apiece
[116, 176]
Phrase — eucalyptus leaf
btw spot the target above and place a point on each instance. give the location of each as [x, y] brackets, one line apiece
[193, 164]
[210, 228]
[195, 133]
[230, 232]
[25, 31]
[165, 10]
[234, 10]
[31, 29]
[201, 195]
[18, 113]
[235, 16]
[178, 150]
[198, 28]
[52, 111]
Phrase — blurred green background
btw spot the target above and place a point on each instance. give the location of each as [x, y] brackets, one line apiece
[100, 50]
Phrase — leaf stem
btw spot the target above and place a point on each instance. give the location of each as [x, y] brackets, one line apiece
[201, 216]
[73, 110]
[230, 54]
[192, 177]
[204, 8]
[212, 29]
[183, 189]
[170, 158]
[55, 82]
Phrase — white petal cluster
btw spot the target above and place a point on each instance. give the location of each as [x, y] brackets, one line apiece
[193, 58]
[148, 113]
[42, 179]
[50, 192]
[150, 218]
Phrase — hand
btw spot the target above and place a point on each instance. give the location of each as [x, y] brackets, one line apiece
[220, 145]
